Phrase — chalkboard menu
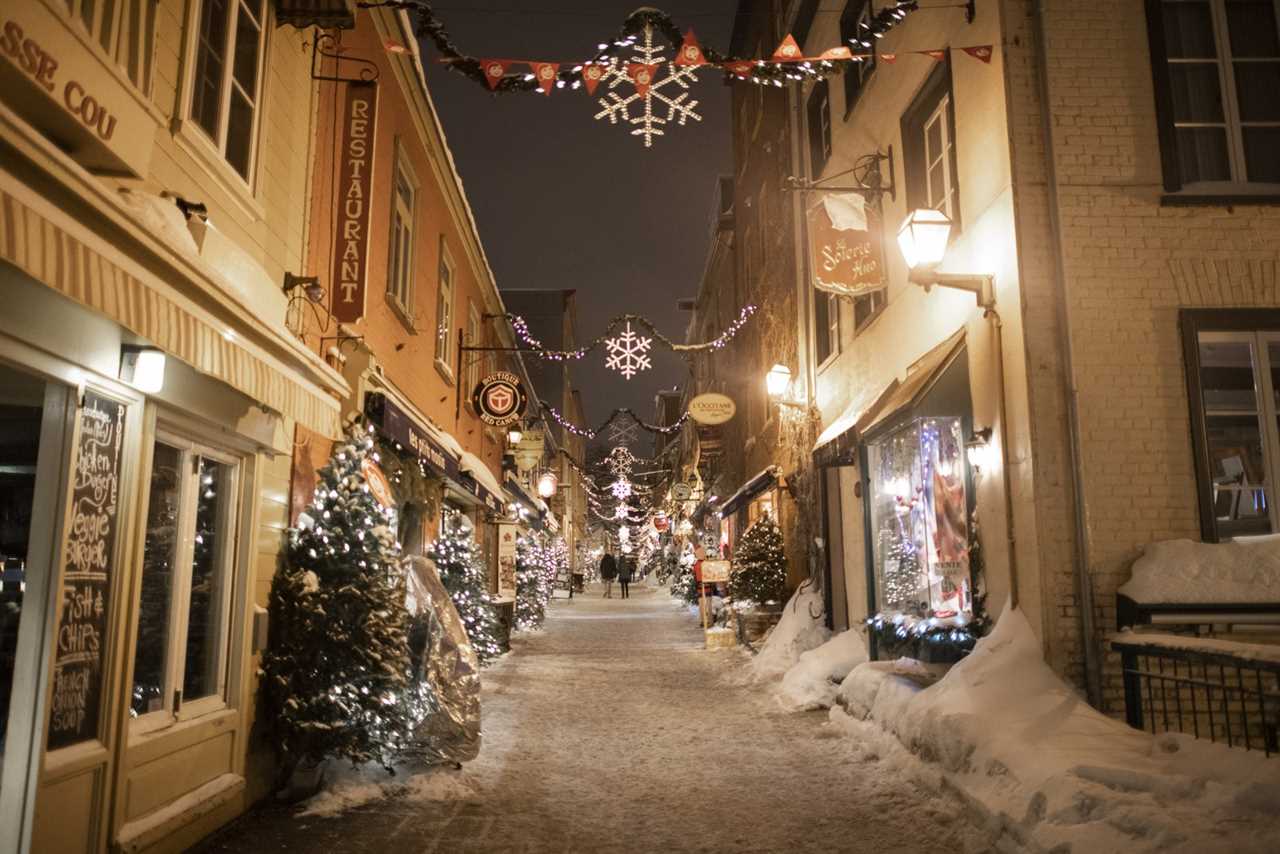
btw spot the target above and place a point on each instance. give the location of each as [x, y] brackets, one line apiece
[86, 573]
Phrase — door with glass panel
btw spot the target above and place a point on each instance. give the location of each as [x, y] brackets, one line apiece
[181, 651]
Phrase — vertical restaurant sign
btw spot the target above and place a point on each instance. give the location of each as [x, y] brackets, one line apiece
[86, 573]
[355, 183]
[846, 253]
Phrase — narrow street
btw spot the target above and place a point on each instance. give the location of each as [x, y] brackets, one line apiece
[613, 730]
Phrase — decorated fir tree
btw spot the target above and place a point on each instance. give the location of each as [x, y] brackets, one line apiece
[461, 566]
[760, 567]
[337, 669]
[684, 583]
[533, 585]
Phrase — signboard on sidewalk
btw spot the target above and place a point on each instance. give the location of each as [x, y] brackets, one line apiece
[715, 571]
[507, 560]
[355, 186]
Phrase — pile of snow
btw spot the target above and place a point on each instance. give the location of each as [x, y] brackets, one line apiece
[349, 787]
[812, 682]
[1246, 570]
[798, 631]
[1040, 761]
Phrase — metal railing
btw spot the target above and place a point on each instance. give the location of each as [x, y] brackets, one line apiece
[1210, 694]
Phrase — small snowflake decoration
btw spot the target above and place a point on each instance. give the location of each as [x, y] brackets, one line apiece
[627, 353]
[621, 461]
[646, 123]
[621, 489]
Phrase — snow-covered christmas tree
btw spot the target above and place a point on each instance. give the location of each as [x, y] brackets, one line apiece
[461, 565]
[337, 669]
[533, 585]
[683, 583]
[760, 567]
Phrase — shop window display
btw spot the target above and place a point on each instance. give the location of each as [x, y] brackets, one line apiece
[919, 522]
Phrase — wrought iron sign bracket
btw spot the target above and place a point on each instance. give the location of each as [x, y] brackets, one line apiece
[866, 173]
[340, 340]
[325, 45]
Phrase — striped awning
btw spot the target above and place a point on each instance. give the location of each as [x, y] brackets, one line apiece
[69, 257]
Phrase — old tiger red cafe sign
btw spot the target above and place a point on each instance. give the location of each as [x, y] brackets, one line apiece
[355, 179]
[846, 254]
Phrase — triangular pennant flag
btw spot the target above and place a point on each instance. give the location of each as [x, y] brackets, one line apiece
[642, 75]
[592, 74]
[494, 70]
[837, 53]
[939, 55]
[545, 74]
[888, 57]
[788, 51]
[980, 51]
[690, 53]
[740, 67]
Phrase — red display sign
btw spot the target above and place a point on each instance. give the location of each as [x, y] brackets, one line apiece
[355, 182]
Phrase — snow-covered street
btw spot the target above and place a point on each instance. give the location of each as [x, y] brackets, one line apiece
[614, 730]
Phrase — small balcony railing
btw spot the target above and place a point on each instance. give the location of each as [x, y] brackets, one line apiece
[1217, 690]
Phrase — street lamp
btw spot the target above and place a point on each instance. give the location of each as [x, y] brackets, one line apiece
[978, 448]
[777, 380]
[547, 484]
[514, 434]
[142, 367]
[923, 237]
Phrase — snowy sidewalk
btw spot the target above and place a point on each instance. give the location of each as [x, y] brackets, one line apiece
[613, 730]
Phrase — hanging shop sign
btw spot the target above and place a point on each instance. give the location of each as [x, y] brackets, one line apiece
[712, 408]
[355, 182]
[507, 535]
[681, 492]
[500, 399]
[379, 486]
[86, 576]
[394, 423]
[846, 252]
[715, 571]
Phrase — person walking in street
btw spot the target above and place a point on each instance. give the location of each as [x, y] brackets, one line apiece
[626, 565]
[608, 572]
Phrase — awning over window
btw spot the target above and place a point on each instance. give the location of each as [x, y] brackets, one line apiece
[762, 482]
[71, 258]
[486, 486]
[839, 441]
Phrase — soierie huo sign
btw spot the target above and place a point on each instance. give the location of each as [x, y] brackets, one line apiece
[355, 180]
[712, 408]
[500, 399]
[846, 254]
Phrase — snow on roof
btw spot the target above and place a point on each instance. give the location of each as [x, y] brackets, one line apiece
[1185, 571]
[845, 420]
[473, 464]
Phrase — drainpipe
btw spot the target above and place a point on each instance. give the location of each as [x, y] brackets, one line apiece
[1084, 583]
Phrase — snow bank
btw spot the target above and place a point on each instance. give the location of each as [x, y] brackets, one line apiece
[812, 682]
[797, 632]
[348, 788]
[1246, 570]
[1027, 749]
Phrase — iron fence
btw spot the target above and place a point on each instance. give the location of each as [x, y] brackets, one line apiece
[1210, 694]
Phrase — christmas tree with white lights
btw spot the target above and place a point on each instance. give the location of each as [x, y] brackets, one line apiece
[683, 583]
[533, 584]
[759, 570]
[337, 681]
[462, 569]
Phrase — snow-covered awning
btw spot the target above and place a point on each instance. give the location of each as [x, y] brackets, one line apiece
[488, 489]
[749, 490]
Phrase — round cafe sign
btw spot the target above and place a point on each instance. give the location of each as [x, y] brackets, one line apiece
[500, 399]
[711, 408]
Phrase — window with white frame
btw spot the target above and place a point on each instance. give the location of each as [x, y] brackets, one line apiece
[229, 43]
[826, 324]
[940, 183]
[1216, 66]
[444, 312]
[1234, 384]
[473, 361]
[188, 573]
[855, 34]
[400, 260]
[929, 150]
[818, 119]
[125, 30]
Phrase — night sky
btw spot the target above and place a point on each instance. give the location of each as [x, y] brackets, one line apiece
[566, 201]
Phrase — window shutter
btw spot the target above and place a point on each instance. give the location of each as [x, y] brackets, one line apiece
[1170, 171]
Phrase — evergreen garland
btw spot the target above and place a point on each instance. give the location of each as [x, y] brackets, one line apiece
[461, 565]
[337, 680]
[759, 571]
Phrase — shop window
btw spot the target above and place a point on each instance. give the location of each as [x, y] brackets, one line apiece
[856, 15]
[1234, 383]
[444, 313]
[920, 520]
[765, 505]
[819, 124]
[229, 44]
[929, 152]
[188, 571]
[400, 260]
[1216, 72]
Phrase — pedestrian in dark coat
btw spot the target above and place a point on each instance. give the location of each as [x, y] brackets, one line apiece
[626, 567]
[608, 572]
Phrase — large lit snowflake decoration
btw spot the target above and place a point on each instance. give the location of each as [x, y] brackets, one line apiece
[621, 489]
[621, 461]
[646, 123]
[628, 353]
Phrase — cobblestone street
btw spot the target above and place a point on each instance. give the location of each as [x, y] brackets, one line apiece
[613, 730]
